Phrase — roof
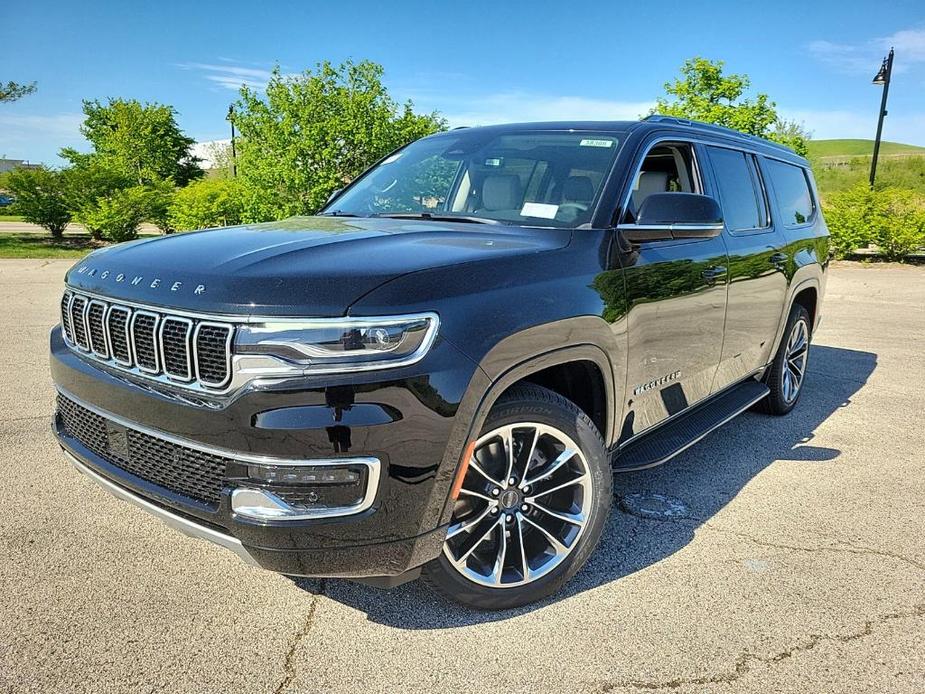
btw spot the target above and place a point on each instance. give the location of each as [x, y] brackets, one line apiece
[656, 122]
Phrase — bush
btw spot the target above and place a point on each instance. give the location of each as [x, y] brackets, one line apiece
[117, 217]
[893, 219]
[40, 198]
[211, 202]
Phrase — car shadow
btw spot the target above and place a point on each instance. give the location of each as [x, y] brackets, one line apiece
[688, 490]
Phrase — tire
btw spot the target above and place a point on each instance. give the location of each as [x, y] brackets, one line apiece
[557, 496]
[784, 397]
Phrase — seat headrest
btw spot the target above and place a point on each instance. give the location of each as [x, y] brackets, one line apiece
[577, 189]
[501, 192]
[652, 182]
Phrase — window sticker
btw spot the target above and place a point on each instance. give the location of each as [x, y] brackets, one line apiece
[539, 209]
[596, 143]
[493, 162]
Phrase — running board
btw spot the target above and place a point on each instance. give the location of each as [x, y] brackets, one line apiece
[665, 442]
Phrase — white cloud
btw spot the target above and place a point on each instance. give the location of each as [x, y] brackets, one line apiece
[865, 57]
[516, 107]
[230, 76]
[19, 133]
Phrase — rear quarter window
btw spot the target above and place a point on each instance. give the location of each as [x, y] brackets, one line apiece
[792, 192]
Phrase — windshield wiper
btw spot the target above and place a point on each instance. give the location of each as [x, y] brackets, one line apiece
[337, 213]
[430, 216]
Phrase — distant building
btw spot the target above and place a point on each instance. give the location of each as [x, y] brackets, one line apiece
[10, 164]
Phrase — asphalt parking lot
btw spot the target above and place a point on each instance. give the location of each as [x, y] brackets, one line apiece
[794, 559]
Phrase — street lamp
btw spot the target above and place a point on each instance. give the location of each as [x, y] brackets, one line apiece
[882, 78]
[234, 156]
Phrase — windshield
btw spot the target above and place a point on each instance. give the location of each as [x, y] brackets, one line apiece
[534, 178]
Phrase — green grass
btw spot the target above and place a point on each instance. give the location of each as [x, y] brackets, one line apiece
[10, 218]
[859, 148]
[43, 246]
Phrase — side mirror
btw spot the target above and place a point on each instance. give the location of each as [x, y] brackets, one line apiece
[675, 216]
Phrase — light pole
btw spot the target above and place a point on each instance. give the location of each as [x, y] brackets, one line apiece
[234, 156]
[882, 78]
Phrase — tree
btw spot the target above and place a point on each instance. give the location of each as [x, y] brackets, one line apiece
[314, 132]
[41, 198]
[704, 93]
[117, 216]
[13, 91]
[140, 141]
[211, 202]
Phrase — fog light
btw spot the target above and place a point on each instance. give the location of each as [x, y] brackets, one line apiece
[303, 475]
[307, 490]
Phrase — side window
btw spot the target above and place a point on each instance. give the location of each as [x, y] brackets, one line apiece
[666, 168]
[791, 190]
[744, 206]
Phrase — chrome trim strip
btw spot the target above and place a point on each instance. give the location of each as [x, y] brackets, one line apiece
[671, 226]
[128, 334]
[228, 340]
[105, 353]
[184, 525]
[67, 317]
[157, 319]
[160, 346]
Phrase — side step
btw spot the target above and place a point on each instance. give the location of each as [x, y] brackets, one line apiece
[666, 441]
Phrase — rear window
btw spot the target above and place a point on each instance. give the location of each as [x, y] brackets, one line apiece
[791, 190]
[739, 190]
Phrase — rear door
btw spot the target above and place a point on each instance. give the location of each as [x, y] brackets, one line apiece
[757, 264]
[676, 298]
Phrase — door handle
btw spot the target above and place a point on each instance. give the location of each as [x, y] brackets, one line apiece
[779, 258]
[711, 274]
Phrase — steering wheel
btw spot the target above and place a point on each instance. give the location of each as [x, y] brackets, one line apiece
[572, 209]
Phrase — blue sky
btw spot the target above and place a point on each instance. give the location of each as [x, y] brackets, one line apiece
[476, 62]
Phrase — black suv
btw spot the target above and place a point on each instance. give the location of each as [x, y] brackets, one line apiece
[441, 371]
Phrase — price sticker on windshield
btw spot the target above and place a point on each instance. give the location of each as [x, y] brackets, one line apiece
[596, 143]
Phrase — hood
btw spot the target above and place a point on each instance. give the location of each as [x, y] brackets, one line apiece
[313, 266]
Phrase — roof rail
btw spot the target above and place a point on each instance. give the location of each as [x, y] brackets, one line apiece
[720, 129]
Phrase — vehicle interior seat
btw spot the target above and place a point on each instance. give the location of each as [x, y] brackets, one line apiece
[501, 192]
[579, 190]
[647, 183]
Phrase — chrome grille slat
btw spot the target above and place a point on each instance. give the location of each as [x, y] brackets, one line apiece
[96, 330]
[79, 322]
[158, 345]
[175, 347]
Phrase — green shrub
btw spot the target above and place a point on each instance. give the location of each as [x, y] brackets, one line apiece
[211, 202]
[117, 216]
[40, 198]
[893, 219]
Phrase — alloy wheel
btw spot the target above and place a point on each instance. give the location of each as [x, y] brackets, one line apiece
[523, 506]
[795, 365]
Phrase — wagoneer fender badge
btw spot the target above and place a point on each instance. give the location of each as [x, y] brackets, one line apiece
[645, 387]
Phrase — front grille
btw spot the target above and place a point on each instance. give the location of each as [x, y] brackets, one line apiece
[182, 470]
[190, 351]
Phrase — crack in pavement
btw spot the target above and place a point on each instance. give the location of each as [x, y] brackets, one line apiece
[289, 671]
[743, 662]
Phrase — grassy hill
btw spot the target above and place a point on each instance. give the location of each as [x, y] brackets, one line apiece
[859, 148]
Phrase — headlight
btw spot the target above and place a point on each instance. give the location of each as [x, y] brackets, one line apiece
[340, 344]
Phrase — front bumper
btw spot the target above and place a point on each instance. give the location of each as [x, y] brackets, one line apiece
[402, 419]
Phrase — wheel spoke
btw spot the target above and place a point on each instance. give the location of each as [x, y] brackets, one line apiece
[573, 518]
[553, 540]
[525, 567]
[477, 495]
[577, 480]
[478, 468]
[454, 530]
[508, 438]
[462, 559]
[497, 571]
[529, 453]
[564, 457]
